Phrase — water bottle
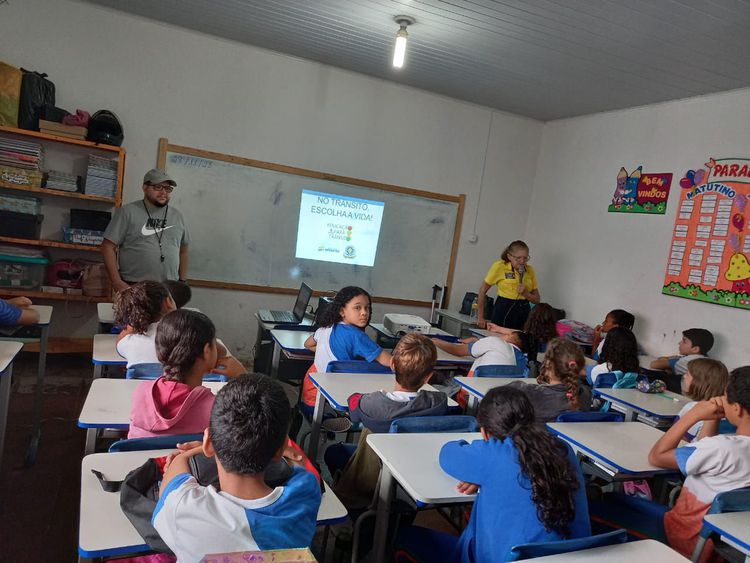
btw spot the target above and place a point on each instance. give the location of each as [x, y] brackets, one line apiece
[474, 308]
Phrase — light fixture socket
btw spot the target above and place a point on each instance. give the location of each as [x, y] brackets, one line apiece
[404, 21]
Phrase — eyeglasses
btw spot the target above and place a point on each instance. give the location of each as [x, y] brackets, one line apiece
[521, 258]
[161, 188]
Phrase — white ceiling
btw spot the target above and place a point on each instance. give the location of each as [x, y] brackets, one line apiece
[545, 59]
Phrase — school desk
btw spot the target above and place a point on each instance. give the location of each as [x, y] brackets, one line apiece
[105, 353]
[663, 408]
[477, 387]
[336, 388]
[619, 448]
[734, 529]
[45, 316]
[105, 531]
[292, 344]
[587, 361]
[413, 461]
[263, 331]
[454, 322]
[8, 352]
[382, 331]
[108, 405]
[643, 550]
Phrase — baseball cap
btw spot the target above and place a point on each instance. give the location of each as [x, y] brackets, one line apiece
[156, 176]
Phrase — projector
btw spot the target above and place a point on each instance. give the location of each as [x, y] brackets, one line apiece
[396, 323]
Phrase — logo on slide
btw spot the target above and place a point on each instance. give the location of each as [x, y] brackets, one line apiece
[148, 231]
[349, 252]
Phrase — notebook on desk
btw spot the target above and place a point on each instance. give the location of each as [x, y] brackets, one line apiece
[294, 316]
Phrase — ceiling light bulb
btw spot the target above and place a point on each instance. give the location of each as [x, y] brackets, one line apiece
[399, 51]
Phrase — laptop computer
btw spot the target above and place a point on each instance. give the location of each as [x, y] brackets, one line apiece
[294, 316]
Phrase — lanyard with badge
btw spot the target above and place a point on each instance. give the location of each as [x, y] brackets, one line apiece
[158, 232]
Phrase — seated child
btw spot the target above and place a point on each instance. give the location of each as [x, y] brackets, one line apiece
[615, 318]
[695, 343]
[560, 386]
[530, 485]
[17, 312]
[180, 292]
[541, 328]
[711, 465]
[139, 309]
[176, 402]
[248, 429]
[341, 336]
[502, 350]
[705, 378]
[619, 354]
[413, 361]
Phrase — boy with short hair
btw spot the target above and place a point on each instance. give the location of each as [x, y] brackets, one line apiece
[413, 361]
[714, 464]
[247, 430]
[695, 343]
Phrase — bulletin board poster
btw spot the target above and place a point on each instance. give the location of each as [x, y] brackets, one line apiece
[641, 192]
[708, 257]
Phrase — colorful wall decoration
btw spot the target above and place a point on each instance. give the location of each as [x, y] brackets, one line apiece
[639, 192]
[708, 258]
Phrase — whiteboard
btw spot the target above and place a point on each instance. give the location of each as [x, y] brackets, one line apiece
[243, 218]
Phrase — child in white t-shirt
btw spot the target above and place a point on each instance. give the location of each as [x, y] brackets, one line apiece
[619, 353]
[139, 309]
[695, 343]
[505, 349]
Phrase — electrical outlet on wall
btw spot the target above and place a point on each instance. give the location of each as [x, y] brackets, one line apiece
[474, 238]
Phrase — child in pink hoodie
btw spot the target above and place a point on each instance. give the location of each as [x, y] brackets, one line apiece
[177, 402]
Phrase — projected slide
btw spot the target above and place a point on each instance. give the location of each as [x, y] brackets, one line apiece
[336, 228]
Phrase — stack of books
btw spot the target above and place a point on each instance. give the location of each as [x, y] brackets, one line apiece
[20, 154]
[57, 180]
[54, 128]
[101, 176]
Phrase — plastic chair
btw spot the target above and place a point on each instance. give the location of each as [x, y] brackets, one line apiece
[153, 443]
[541, 549]
[737, 500]
[592, 416]
[500, 371]
[413, 424]
[144, 371]
[417, 424]
[356, 366]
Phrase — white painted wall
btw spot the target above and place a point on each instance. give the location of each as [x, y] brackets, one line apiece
[205, 92]
[590, 261]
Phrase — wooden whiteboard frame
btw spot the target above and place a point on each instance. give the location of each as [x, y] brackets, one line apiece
[161, 161]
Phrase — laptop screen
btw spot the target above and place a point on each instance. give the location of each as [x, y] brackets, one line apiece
[303, 298]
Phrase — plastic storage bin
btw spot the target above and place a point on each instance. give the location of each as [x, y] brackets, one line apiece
[22, 272]
[20, 204]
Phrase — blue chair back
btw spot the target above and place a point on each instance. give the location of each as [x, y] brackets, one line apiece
[500, 371]
[153, 443]
[144, 371]
[154, 371]
[592, 416]
[356, 366]
[737, 500]
[541, 549]
[424, 424]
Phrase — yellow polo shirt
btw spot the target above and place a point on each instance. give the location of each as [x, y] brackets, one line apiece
[502, 275]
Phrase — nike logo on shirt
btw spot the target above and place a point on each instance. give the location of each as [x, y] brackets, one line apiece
[146, 231]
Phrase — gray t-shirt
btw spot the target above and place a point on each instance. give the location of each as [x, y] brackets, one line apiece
[135, 234]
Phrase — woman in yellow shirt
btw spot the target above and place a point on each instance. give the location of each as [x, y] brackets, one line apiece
[516, 288]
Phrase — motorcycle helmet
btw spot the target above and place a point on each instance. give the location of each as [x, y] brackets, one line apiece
[105, 128]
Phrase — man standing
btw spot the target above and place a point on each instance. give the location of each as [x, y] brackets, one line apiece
[151, 237]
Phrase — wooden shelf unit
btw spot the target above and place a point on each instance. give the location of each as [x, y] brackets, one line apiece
[51, 243]
[59, 142]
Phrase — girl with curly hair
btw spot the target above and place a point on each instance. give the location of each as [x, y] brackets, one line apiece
[560, 386]
[541, 327]
[530, 486]
[619, 354]
[138, 309]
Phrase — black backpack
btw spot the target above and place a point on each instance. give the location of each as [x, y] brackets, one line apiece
[36, 92]
[139, 491]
